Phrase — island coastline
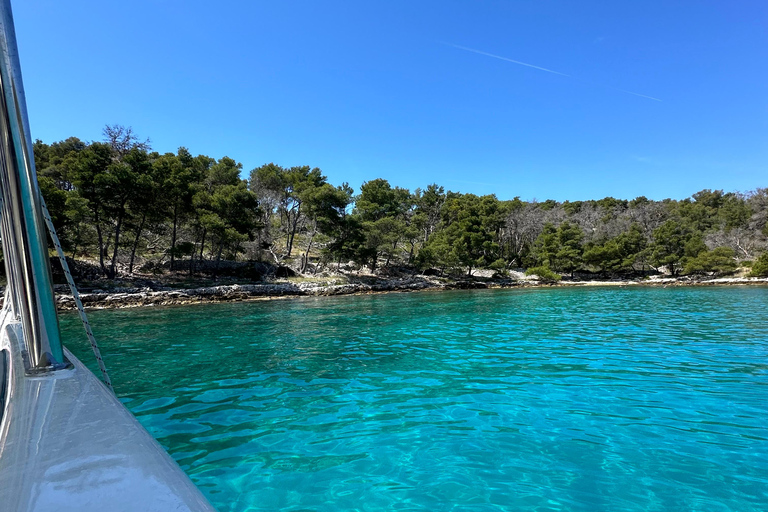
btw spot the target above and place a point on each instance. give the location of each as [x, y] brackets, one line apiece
[121, 298]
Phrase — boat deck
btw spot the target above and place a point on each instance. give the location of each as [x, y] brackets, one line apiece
[68, 444]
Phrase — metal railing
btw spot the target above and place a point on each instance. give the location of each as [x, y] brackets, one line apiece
[30, 285]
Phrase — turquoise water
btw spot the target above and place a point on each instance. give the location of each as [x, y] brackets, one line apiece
[602, 399]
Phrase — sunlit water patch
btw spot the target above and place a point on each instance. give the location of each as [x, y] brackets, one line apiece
[605, 399]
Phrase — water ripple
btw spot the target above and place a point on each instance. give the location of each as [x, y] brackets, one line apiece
[595, 400]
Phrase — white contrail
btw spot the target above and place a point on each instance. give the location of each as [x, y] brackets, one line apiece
[545, 69]
[504, 58]
[622, 90]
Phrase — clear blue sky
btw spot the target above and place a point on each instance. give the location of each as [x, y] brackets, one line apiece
[382, 89]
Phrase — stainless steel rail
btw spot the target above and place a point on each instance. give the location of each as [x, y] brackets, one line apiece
[66, 442]
[30, 286]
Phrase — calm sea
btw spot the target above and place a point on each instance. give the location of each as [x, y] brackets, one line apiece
[600, 399]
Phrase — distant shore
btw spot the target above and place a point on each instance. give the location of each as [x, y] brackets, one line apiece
[146, 297]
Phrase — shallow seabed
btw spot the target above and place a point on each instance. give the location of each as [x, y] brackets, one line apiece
[600, 399]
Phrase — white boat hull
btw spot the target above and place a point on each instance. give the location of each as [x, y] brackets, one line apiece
[68, 444]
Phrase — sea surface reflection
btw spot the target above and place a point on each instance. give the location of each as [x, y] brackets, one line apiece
[600, 399]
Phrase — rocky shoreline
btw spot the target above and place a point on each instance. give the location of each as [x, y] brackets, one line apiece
[136, 297]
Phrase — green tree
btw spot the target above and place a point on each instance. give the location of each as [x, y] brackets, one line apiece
[290, 187]
[546, 246]
[559, 248]
[107, 182]
[64, 204]
[605, 256]
[760, 266]
[701, 214]
[382, 211]
[345, 231]
[544, 273]
[672, 244]
[569, 253]
[632, 245]
[144, 201]
[734, 211]
[719, 260]
[325, 207]
[378, 199]
[618, 254]
[178, 174]
[51, 160]
[467, 238]
[108, 176]
[429, 205]
[227, 210]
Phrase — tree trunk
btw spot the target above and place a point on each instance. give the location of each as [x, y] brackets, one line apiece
[292, 234]
[77, 239]
[173, 236]
[112, 270]
[394, 248]
[218, 260]
[136, 241]
[192, 257]
[306, 253]
[202, 244]
[102, 249]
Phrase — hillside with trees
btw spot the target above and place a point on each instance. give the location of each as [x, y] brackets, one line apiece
[129, 209]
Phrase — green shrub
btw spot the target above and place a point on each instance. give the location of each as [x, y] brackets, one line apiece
[721, 260]
[544, 274]
[183, 249]
[760, 266]
[500, 266]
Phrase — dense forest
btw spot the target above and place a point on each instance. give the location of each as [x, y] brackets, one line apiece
[119, 203]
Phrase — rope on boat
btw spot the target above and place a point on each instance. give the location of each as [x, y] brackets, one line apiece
[76, 295]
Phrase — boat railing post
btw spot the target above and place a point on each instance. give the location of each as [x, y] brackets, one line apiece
[23, 230]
